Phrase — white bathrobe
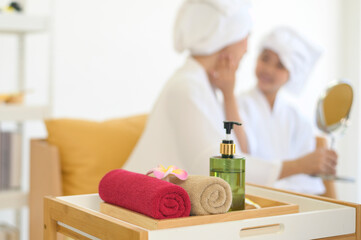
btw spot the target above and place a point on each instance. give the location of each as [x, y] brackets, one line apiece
[282, 133]
[185, 129]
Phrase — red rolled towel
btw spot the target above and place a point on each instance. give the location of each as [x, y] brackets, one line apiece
[147, 195]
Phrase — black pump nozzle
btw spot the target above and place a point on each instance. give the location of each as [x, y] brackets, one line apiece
[228, 125]
[228, 148]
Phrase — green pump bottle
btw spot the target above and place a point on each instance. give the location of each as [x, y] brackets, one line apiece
[230, 168]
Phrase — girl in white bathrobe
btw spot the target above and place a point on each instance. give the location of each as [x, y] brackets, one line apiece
[185, 126]
[275, 128]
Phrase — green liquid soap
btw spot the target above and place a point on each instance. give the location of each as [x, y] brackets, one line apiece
[232, 170]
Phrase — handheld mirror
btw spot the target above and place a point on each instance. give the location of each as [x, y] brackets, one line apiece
[333, 112]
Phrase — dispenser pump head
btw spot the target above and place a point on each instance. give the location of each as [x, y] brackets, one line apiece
[228, 125]
[228, 148]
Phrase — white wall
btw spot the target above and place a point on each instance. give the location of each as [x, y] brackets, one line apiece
[112, 57]
[351, 64]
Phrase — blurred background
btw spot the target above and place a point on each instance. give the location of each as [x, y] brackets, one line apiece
[106, 59]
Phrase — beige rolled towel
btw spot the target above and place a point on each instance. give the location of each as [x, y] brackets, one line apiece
[208, 195]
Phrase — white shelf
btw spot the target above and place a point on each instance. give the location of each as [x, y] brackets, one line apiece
[13, 199]
[18, 23]
[23, 112]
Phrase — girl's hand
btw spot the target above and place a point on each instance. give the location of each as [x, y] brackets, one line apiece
[223, 76]
[321, 161]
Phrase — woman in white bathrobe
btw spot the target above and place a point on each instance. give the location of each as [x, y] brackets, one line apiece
[185, 126]
[275, 128]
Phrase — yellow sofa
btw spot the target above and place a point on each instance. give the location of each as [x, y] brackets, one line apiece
[74, 157]
[77, 154]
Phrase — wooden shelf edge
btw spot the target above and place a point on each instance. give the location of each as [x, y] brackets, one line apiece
[23, 112]
[13, 199]
[18, 23]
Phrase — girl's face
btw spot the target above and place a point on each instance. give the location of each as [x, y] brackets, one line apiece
[270, 72]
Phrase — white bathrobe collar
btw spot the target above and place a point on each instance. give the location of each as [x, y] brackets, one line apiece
[263, 100]
[195, 67]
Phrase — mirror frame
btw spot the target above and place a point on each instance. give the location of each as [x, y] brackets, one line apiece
[320, 118]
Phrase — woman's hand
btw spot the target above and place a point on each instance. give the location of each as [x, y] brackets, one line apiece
[223, 76]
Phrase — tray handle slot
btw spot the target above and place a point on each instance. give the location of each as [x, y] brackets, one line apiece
[261, 230]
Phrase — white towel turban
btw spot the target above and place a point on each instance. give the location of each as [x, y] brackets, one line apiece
[296, 53]
[206, 26]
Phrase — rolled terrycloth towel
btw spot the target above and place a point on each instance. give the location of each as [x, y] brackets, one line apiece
[147, 195]
[209, 195]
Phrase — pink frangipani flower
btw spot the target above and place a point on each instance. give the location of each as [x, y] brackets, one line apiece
[161, 172]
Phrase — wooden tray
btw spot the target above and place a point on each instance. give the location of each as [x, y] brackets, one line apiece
[268, 208]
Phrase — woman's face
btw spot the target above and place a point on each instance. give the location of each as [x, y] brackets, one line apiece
[237, 50]
[270, 72]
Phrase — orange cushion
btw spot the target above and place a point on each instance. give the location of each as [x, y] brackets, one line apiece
[88, 150]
